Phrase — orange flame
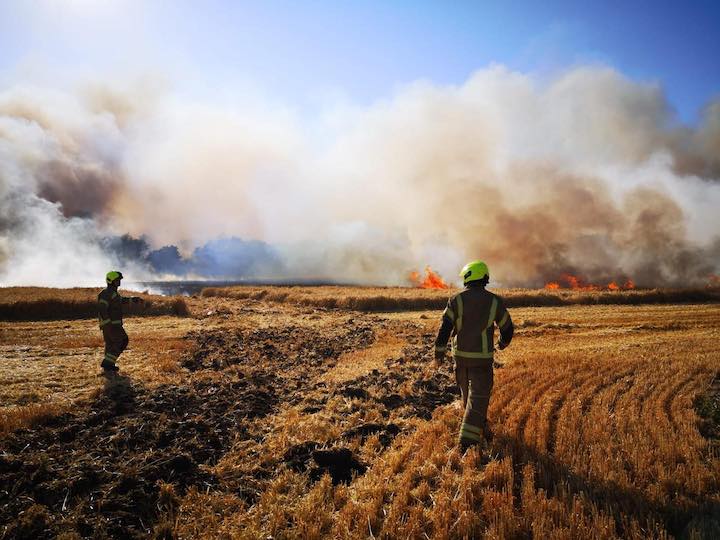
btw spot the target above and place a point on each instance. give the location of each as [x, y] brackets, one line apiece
[568, 281]
[432, 280]
[552, 285]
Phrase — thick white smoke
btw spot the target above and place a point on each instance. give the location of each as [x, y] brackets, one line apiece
[589, 174]
[60, 166]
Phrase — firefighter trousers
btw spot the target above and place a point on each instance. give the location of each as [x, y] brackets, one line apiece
[116, 341]
[475, 384]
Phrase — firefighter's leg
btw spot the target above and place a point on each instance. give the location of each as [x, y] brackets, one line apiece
[474, 422]
[461, 376]
[114, 345]
[110, 355]
[123, 339]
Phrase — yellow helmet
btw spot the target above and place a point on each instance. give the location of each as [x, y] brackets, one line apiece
[112, 275]
[473, 271]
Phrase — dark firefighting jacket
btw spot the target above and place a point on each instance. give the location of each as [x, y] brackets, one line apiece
[110, 306]
[470, 317]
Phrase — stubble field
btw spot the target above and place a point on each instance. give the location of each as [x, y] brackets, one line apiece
[258, 416]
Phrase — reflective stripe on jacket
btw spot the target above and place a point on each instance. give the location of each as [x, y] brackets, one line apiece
[471, 316]
[110, 306]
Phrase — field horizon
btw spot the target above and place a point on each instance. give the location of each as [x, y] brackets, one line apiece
[56, 303]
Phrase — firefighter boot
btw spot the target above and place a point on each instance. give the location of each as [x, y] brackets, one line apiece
[107, 365]
[464, 445]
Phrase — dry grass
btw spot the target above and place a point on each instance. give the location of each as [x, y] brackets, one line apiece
[562, 297]
[56, 363]
[355, 298]
[354, 364]
[594, 413]
[26, 416]
[381, 299]
[45, 304]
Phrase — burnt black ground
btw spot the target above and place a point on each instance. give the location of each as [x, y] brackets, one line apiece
[97, 472]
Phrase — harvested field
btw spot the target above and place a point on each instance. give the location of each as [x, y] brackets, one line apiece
[263, 418]
[407, 299]
[42, 304]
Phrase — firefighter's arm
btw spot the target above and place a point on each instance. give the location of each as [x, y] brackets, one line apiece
[442, 338]
[446, 328]
[129, 299]
[505, 324]
[103, 311]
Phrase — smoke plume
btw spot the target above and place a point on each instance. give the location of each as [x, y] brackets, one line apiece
[589, 174]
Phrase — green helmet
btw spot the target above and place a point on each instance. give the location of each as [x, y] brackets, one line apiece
[112, 275]
[474, 271]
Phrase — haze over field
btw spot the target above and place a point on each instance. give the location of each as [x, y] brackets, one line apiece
[583, 170]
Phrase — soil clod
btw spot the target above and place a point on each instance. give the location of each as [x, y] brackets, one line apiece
[340, 463]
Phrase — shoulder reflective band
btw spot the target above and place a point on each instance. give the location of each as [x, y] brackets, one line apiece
[116, 322]
[504, 319]
[458, 322]
[450, 314]
[104, 322]
[103, 301]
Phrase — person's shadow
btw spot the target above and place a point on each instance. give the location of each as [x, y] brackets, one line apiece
[119, 391]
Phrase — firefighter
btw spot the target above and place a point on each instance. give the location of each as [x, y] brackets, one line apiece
[110, 304]
[471, 316]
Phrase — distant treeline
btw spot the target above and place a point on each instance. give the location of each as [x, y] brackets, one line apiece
[221, 257]
[45, 304]
[407, 299]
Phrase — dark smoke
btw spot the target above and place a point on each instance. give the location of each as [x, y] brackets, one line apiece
[574, 227]
[233, 257]
[81, 190]
[697, 152]
[167, 260]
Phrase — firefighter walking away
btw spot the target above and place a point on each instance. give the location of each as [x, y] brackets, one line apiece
[110, 309]
[470, 317]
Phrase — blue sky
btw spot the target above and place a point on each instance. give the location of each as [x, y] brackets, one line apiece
[304, 53]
